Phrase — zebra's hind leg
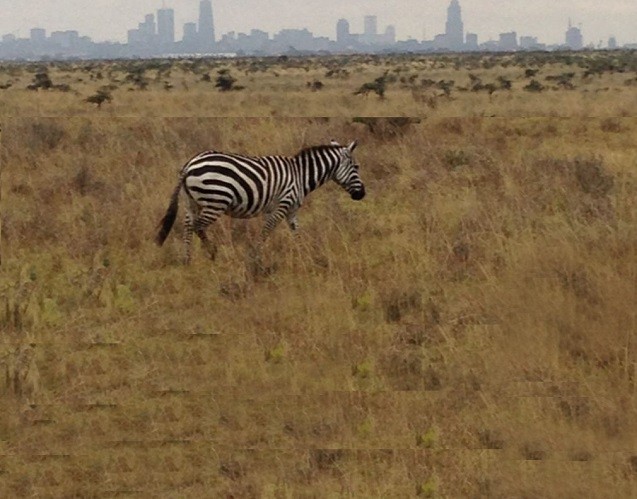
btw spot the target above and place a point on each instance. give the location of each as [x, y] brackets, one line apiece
[205, 218]
[208, 245]
[188, 230]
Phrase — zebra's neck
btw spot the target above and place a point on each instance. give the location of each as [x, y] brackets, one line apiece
[316, 166]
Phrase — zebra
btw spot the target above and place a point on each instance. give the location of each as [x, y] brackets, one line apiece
[217, 183]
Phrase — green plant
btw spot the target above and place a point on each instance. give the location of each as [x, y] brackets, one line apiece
[378, 86]
[534, 86]
[226, 82]
[101, 96]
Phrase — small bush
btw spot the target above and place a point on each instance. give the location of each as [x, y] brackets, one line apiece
[504, 83]
[101, 96]
[378, 86]
[226, 82]
[315, 85]
[534, 86]
[41, 80]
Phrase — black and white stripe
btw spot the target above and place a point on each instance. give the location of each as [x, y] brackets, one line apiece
[217, 183]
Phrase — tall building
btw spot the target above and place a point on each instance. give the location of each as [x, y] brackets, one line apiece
[144, 37]
[455, 29]
[371, 26]
[528, 42]
[166, 28]
[38, 35]
[206, 31]
[370, 32]
[190, 36]
[148, 27]
[574, 38]
[65, 39]
[471, 42]
[343, 37]
[390, 35]
[612, 43]
[508, 41]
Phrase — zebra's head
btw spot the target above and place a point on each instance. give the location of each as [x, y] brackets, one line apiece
[346, 173]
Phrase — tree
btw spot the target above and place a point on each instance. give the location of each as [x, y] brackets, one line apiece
[41, 80]
[226, 82]
[378, 86]
[534, 86]
[101, 96]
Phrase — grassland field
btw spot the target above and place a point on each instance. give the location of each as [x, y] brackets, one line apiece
[568, 85]
[467, 330]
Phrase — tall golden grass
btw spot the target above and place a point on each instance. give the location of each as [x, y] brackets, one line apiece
[466, 330]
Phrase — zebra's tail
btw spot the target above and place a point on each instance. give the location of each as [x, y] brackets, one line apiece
[167, 222]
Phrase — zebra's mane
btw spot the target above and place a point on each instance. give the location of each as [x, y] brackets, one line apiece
[313, 149]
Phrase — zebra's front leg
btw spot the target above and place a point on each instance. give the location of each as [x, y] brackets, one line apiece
[293, 223]
[271, 221]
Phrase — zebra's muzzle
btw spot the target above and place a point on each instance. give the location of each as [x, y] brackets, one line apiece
[357, 195]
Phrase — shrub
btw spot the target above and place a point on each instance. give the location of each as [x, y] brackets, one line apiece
[315, 85]
[504, 83]
[101, 96]
[137, 77]
[41, 80]
[378, 86]
[534, 86]
[226, 82]
[446, 86]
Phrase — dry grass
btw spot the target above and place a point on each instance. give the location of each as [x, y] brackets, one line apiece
[597, 84]
[467, 330]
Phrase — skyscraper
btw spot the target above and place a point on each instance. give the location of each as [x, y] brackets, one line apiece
[370, 33]
[371, 26]
[38, 35]
[471, 41]
[148, 26]
[454, 32]
[390, 35]
[166, 27]
[574, 39]
[206, 26]
[342, 33]
[508, 41]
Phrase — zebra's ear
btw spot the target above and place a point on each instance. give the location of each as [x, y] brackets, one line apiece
[352, 146]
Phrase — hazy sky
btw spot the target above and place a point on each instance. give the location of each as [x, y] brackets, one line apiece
[547, 19]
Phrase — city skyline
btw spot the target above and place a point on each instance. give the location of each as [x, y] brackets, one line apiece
[156, 36]
[486, 18]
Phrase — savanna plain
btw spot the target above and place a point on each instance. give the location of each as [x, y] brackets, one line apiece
[467, 330]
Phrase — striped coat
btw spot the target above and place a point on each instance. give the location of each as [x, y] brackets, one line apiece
[216, 183]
